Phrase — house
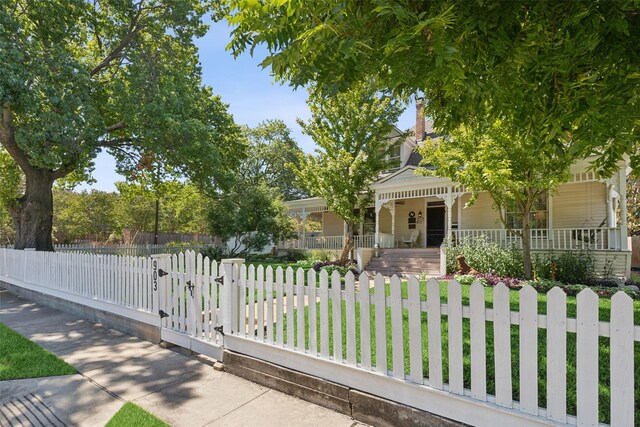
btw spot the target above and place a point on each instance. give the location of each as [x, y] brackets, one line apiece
[414, 216]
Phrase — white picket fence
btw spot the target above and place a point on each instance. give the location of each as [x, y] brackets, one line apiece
[442, 356]
[129, 250]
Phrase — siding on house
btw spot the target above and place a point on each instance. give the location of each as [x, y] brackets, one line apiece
[333, 224]
[580, 205]
[480, 215]
[385, 221]
[402, 219]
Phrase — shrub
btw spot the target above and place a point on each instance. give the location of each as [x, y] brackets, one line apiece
[320, 255]
[544, 286]
[214, 252]
[294, 255]
[331, 266]
[570, 267]
[487, 257]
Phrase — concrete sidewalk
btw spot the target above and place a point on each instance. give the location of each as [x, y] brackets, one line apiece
[114, 368]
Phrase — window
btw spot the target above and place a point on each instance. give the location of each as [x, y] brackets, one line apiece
[395, 155]
[537, 216]
[368, 224]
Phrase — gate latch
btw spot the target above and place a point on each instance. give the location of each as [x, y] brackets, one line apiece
[190, 286]
[219, 329]
[163, 314]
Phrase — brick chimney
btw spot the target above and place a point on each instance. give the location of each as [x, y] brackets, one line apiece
[419, 120]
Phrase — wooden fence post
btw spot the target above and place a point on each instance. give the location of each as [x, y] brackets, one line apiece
[230, 293]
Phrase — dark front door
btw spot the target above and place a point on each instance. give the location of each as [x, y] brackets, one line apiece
[435, 225]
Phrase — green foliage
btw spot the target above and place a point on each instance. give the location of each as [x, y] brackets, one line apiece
[320, 255]
[512, 165]
[21, 358]
[12, 181]
[78, 77]
[84, 215]
[468, 279]
[294, 255]
[568, 70]
[271, 150]
[100, 215]
[352, 132]
[572, 267]
[486, 257]
[250, 218]
[183, 208]
[214, 252]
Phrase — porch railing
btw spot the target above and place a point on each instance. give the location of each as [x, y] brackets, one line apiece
[328, 242]
[557, 238]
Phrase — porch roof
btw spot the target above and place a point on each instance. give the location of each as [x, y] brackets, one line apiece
[311, 204]
[406, 178]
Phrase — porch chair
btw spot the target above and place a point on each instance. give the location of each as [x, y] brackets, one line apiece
[413, 238]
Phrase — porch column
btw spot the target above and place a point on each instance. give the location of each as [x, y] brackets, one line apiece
[304, 229]
[377, 236]
[448, 201]
[393, 224]
[622, 189]
[377, 207]
[550, 233]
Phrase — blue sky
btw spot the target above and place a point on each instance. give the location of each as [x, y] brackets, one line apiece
[250, 91]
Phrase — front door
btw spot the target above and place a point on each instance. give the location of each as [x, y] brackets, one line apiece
[435, 225]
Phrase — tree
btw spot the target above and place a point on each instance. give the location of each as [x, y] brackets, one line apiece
[184, 207]
[12, 181]
[352, 132]
[270, 150]
[78, 76]
[250, 217]
[83, 215]
[503, 162]
[569, 71]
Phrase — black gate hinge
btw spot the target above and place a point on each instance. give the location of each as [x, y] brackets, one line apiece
[190, 286]
[162, 273]
[219, 329]
[163, 314]
[219, 280]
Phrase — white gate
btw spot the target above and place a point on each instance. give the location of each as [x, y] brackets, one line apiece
[190, 294]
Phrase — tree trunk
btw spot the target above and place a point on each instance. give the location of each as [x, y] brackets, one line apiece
[348, 245]
[33, 213]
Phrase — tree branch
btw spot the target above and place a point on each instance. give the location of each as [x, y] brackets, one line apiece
[8, 139]
[115, 127]
[117, 142]
[124, 43]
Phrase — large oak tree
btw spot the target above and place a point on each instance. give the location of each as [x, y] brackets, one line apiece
[80, 76]
[570, 70]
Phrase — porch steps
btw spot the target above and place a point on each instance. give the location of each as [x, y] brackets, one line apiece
[405, 262]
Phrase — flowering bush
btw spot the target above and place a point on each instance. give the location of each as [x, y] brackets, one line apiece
[331, 266]
[485, 279]
[487, 257]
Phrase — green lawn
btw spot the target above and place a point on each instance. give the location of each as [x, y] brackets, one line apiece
[21, 358]
[604, 365]
[131, 415]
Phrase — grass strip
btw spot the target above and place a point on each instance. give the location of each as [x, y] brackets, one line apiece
[21, 358]
[134, 416]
